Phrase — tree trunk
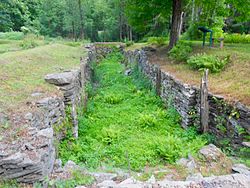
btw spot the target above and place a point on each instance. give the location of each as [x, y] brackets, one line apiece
[192, 17]
[175, 25]
[81, 19]
[131, 34]
[74, 32]
[181, 24]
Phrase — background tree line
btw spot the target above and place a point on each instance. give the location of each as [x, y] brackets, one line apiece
[119, 20]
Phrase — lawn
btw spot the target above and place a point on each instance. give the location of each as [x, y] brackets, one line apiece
[233, 82]
[22, 71]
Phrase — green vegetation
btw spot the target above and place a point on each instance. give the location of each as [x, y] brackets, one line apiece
[26, 68]
[204, 61]
[237, 38]
[232, 82]
[181, 51]
[157, 40]
[126, 125]
[8, 184]
[11, 35]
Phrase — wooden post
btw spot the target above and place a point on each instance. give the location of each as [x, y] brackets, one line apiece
[204, 108]
[158, 81]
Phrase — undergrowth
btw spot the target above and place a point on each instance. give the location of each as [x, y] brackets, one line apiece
[126, 125]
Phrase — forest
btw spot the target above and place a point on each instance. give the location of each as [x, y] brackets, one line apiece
[124, 20]
[124, 93]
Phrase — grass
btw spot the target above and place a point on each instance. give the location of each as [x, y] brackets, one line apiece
[127, 126]
[232, 82]
[22, 72]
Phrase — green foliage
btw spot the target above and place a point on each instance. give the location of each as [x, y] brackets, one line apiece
[203, 61]
[181, 51]
[129, 43]
[157, 40]
[12, 35]
[29, 42]
[9, 183]
[237, 38]
[126, 123]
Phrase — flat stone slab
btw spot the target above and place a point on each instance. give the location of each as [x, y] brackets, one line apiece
[61, 79]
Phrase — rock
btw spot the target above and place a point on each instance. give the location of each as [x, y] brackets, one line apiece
[128, 72]
[151, 180]
[211, 153]
[189, 163]
[241, 168]
[214, 161]
[36, 94]
[194, 177]
[61, 79]
[3, 118]
[28, 146]
[148, 49]
[70, 165]
[227, 181]
[246, 144]
[100, 177]
[58, 166]
[182, 161]
[28, 116]
[128, 181]
[106, 184]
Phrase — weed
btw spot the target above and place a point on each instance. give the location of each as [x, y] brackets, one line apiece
[157, 40]
[126, 124]
[29, 42]
[203, 61]
[181, 51]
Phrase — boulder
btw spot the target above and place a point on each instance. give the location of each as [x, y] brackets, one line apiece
[106, 184]
[61, 79]
[101, 176]
[241, 168]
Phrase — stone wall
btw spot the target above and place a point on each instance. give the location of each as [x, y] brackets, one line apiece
[228, 122]
[31, 158]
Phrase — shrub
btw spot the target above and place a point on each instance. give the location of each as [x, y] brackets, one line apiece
[129, 43]
[73, 44]
[157, 40]
[147, 120]
[12, 35]
[237, 38]
[204, 61]
[29, 42]
[180, 52]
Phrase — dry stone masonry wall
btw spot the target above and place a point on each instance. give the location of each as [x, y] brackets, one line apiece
[31, 158]
[226, 121]
[229, 123]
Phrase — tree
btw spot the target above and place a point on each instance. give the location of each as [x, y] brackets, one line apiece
[176, 23]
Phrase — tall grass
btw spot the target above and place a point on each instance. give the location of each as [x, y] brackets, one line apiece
[12, 35]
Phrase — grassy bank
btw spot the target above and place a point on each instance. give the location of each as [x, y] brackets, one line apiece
[22, 72]
[127, 126]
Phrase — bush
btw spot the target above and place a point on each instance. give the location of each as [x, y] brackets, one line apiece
[29, 42]
[12, 35]
[157, 40]
[237, 38]
[203, 61]
[129, 43]
[180, 52]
